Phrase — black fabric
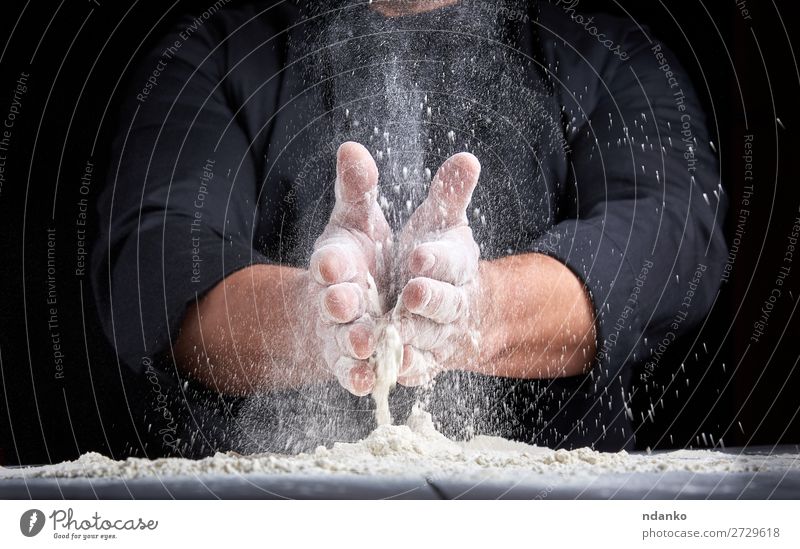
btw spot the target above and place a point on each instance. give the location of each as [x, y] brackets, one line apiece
[585, 162]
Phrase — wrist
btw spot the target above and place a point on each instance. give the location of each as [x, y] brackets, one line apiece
[537, 319]
[488, 316]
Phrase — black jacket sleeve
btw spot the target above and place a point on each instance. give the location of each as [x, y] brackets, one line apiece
[644, 232]
[180, 201]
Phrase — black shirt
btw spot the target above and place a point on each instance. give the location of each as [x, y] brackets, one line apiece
[224, 160]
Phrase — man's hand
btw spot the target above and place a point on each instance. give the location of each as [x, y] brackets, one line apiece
[351, 254]
[240, 336]
[438, 267]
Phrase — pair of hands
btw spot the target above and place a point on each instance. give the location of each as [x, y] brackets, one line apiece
[434, 258]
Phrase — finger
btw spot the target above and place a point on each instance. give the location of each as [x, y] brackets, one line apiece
[424, 334]
[354, 375]
[342, 303]
[362, 379]
[450, 193]
[452, 260]
[357, 340]
[356, 173]
[418, 367]
[337, 260]
[435, 300]
[356, 191]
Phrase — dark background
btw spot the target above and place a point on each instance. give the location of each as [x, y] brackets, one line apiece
[78, 55]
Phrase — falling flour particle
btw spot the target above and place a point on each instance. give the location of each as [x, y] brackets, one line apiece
[417, 449]
[387, 360]
[388, 355]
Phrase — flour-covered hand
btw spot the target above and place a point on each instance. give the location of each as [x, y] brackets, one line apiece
[439, 262]
[349, 256]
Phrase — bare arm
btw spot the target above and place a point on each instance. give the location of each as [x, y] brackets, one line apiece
[270, 327]
[245, 335]
[539, 321]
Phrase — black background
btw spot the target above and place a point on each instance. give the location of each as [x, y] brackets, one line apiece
[79, 53]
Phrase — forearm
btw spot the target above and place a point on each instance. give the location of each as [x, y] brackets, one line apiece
[245, 335]
[537, 320]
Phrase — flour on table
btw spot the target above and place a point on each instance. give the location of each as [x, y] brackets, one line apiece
[418, 449]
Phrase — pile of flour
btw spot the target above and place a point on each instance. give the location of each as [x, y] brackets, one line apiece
[418, 449]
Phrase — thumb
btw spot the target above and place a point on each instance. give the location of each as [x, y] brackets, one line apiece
[450, 194]
[355, 188]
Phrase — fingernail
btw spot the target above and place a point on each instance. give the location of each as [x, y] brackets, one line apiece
[428, 261]
[424, 297]
[425, 261]
[360, 382]
[354, 339]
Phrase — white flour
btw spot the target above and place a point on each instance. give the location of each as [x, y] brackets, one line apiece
[387, 358]
[417, 449]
